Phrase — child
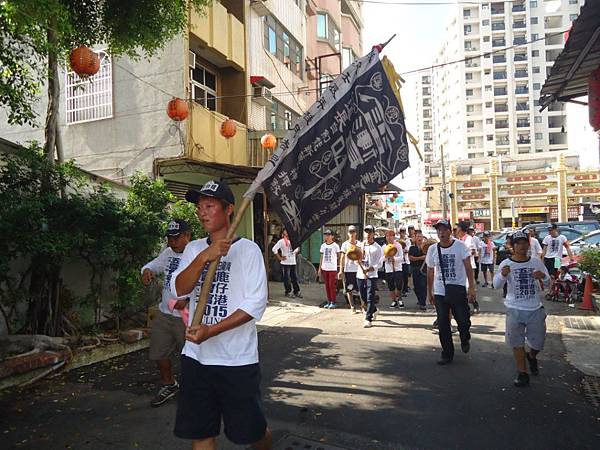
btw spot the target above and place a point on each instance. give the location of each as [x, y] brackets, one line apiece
[328, 268]
[525, 317]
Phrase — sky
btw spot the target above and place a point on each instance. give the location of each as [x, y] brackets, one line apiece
[419, 30]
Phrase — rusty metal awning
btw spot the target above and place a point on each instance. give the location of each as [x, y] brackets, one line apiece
[581, 55]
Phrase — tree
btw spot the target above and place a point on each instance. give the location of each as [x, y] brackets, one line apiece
[37, 35]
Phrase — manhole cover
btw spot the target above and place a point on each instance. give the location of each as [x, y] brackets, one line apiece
[292, 442]
[591, 390]
[580, 323]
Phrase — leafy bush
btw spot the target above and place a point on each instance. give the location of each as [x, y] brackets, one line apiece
[589, 261]
[50, 214]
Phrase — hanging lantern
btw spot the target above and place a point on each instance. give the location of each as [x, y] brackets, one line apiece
[228, 129]
[84, 61]
[594, 99]
[177, 109]
[268, 141]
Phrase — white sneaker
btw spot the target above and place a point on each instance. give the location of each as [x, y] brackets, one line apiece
[367, 324]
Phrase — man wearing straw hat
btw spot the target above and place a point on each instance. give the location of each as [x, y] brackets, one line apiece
[367, 278]
[349, 267]
[220, 374]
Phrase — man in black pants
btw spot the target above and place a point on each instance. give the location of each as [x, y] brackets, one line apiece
[405, 264]
[417, 258]
[448, 269]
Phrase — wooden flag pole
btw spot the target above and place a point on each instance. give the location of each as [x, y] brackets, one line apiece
[212, 269]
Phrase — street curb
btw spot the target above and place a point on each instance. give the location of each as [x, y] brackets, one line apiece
[81, 359]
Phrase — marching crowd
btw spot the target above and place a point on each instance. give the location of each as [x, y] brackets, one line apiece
[220, 374]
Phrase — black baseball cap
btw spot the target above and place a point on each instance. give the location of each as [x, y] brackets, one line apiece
[214, 189]
[369, 229]
[176, 227]
[517, 235]
[442, 223]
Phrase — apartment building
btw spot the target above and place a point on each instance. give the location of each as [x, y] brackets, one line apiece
[487, 105]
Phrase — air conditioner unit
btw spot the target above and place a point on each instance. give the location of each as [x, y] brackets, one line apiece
[262, 95]
[192, 60]
[261, 7]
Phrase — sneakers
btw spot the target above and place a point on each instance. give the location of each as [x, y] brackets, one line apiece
[400, 304]
[475, 307]
[423, 308]
[289, 295]
[332, 305]
[435, 323]
[444, 361]
[165, 393]
[325, 304]
[485, 285]
[355, 311]
[394, 304]
[367, 324]
[522, 379]
[465, 346]
[298, 295]
[533, 364]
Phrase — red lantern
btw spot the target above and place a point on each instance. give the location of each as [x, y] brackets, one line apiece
[84, 61]
[594, 99]
[228, 129]
[178, 109]
[268, 141]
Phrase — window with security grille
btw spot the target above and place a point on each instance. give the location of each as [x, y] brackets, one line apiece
[92, 98]
[203, 86]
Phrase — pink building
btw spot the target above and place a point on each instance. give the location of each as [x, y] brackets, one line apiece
[333, 40]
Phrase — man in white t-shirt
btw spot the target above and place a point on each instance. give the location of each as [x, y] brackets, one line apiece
[553, 248]
[535, 249]
[167, 334]
[367, 279]
[487, 256]
[476, 244]
[220, 374]
[525, 316]
[287, 260]
[328, 266]
[406, 261]
[348, 267]
[446, 288]
[393, 266]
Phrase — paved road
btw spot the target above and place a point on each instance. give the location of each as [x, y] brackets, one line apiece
[328, 379]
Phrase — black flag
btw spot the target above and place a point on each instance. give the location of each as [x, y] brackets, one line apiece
[351, 141]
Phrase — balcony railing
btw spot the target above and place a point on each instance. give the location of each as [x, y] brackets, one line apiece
[519, 25]
[521, 74]
[497, 11]
[522, 106]
[519, 41]
[500, 92]
[498, 42]
[502, 142]
[499, 59]
[500, 108]
[498, 26]
[521, 57]
[499, 75]
[518, 8]
[556, 107]
[470, 63]
[522, 123]
[524, 141]
[501, 124]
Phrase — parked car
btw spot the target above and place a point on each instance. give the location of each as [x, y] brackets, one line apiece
[589, 240]
[565, 228]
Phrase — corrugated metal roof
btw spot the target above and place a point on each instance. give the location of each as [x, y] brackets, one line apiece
[581, 55]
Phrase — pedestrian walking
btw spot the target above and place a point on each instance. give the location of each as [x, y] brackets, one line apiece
[553, 245]
[466, 237]
[406, 262]
[525, 315]
[535, 249]
[476, 247]
[448, 272]
[328, 268]
[393, 266]
[367, 279]
[287, 260]
[349, 267]
[487, 256]
[416, 256]
[220, 372]
[167, 334]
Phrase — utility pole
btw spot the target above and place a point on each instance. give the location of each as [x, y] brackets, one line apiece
[444, 189]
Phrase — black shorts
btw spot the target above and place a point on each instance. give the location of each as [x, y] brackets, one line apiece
[549, 263]
[486, 267]
[394, 280]
[350, 282]
[210, 393]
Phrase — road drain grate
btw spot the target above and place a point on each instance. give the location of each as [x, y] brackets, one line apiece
[292, 442]
[591, 390]
[580, 323]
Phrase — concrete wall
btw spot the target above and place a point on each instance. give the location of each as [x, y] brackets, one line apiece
[139, 130]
